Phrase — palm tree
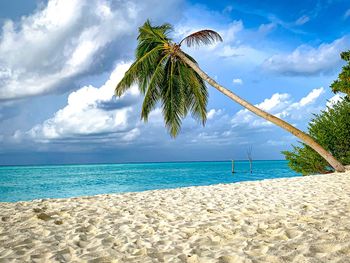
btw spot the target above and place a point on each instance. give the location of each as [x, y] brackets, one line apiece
[165, 74]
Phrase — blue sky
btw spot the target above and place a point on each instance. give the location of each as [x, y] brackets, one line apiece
[60, 61]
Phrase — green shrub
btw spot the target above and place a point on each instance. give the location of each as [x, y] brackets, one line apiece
[331, 129]
[342, 84]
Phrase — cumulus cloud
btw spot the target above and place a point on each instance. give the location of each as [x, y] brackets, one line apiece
[83, 115]
[306, 60]
[246, 128]
[282, 106]
[66, 40]
[335, 99]
[237, 81]
[213, 113]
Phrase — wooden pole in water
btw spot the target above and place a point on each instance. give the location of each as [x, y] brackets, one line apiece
[233, 166]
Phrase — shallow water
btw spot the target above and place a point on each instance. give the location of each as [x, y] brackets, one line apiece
[34, 182]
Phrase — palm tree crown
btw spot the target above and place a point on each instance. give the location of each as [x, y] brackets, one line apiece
[163, 77]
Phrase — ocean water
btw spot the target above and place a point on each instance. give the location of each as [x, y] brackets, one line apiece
[19, 183]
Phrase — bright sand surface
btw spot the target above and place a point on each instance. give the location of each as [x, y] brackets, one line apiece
[301, 219]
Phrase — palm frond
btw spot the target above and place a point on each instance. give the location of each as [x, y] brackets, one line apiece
[200, 99]
[154, 33]
[152, 95]
[196, 93]
[172, 101]
[138, 71]
[202, 37]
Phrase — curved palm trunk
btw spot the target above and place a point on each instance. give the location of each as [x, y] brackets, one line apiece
[281, 123]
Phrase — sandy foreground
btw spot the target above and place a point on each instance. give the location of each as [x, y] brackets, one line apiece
[304, 219]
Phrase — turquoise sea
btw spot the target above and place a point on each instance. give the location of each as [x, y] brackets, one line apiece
[19, 183]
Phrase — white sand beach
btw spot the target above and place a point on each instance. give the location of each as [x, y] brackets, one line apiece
[303, 219]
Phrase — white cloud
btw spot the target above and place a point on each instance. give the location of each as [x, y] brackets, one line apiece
[336, 98]
[85, 114]
[347, 14]
[310, 98]
[66, 40]
[275, 103]
[282, 106]
[302, 20]
[246, 128]
[231, 47]
[283, 141]
[228, 9]
[156, 117]
[242, 54]
[266, 28]
[191, 24]
[237, 81]
[306, 60]
[213, 113]
[234, 48]
[230, 34]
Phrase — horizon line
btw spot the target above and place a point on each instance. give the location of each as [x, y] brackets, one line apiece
[136, 162]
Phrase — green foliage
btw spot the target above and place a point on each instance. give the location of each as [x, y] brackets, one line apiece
[331, 129]
[342, 84]
[203, 37]
[164, 78]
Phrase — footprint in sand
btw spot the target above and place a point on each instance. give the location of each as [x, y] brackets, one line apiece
[324, 248]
